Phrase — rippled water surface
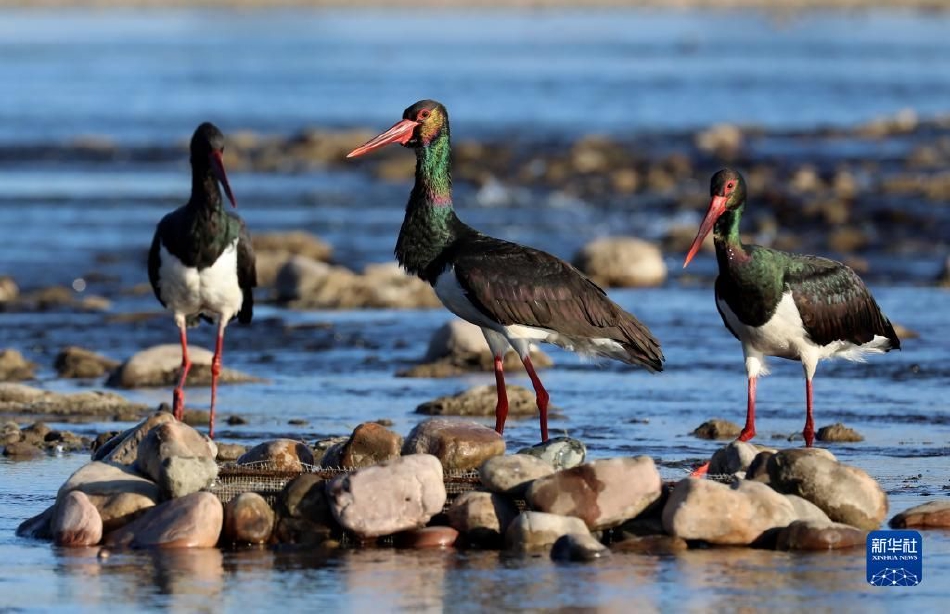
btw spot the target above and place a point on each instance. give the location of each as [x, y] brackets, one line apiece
[148, 78]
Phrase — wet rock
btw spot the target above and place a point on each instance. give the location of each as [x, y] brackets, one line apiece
[458, 347]
[297, 242]
[397, 495]
[279, 455]
[459, 445]
[717, 429]
[559, 452]
[622, 262]
[930, 515]
[9, 433]
[192, 521]
[603, 493]
[229, 452]
[159, 366]
[118, 492]
[123, 449]
[39, 526]
[513, 474]
[723, 140]
[818, 535]
[8, 289]
[370, 444]
[248, 519]
[758, 469]
[838, 433]
[178, 459]
[733, 458]
[59, 298]
[66, 441]
[580, 547]
[481, 401]
[847, 494]
[77, 362]
[482, 517]
[20, 399]
[537, 531]
[651, 544]
[76, 522]
[35, 433]
[428, 537]
[22, 450]
[13, 367]
[736, 514]
[305, 497]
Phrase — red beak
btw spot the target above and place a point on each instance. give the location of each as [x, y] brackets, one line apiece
[217, 167]
[400, 133]
[716, 208]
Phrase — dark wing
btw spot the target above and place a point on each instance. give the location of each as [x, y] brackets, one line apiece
[155, 263]
[247, 274]
[513, 284]
[834, 303]
[720, 291]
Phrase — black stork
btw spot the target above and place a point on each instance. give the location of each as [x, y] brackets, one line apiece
[201, 263]
[791, 306]
[515, 294]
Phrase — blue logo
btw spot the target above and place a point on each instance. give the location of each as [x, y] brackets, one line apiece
[895, 558]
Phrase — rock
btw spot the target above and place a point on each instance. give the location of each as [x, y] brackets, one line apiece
[482, 517]
[297, 242]
[458, 347]
[603, 493]
[847, 494]
[20, 399]
[22, 450]
[397, 495]
[580, 547]
[733, 458]
[481, 401]
[124, 448]
[59, 298]
[818, 535]
[13, 367]
[512, 474]
[117, 491]
[76, 522]
[724, 140]
[192, 521]
[301, 277]
[622, 262]
[930, 515]
[8, 289]
[305, 511]
[229, 452]
[459, 445]
[178, 458]
[39, 526]
[758, 468]
[838, 432]
[428, 537]
[806, 510]
[77, 362]
[370, 444]
[736, 514]
[279, 455]
[559, 452]
[248, 519]
[159, 366]
[651, 544]
[328, 450]
[36, 433]
[9, 433]
[717, 429]
[537, 531]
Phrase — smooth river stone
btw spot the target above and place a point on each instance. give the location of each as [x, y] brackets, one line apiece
[537, 531]
[460, 445]
[178, 458]
[483, 517]
[76, 522]
[559, 452]
[192, 521]
[248, 519]
[279, 455]
[512, 474]
[578, 547]
[930, 515]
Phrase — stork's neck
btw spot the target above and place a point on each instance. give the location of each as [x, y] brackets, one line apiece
[430, 224]
[729, 248]
[205, 190]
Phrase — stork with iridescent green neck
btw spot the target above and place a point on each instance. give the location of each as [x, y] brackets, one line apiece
[791, 306]
[515, 294]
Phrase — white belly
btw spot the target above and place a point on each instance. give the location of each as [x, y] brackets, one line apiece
[213, 290]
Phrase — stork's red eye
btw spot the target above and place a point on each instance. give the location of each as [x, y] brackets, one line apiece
[424, 113]
[730, 185]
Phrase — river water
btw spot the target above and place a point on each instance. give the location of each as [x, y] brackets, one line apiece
[146, 78]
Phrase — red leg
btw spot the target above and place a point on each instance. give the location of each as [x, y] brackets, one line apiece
[178, 403]
[215, 372]
[809, 431]
[748, 431]
[542, 396]
[501, 409]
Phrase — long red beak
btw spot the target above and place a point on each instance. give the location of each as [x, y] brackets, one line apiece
[717, 207]
[400, 133]
[217, 167]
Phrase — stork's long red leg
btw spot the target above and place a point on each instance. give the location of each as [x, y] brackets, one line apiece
[501, 409]
[748, 431]
[215, 372]
[542, 396]
[809, 431]
[178, 402]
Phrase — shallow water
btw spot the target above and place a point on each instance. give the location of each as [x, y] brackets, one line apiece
[134, 78]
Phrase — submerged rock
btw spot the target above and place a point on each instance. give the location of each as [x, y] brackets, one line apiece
[22, 450]
[77, 362]
[559, 452]
[460, 445]
[650, 544]
[428, 537]
[622, 262]
[581, 547]
[481, 401]
[160, 365]
[13, 367]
